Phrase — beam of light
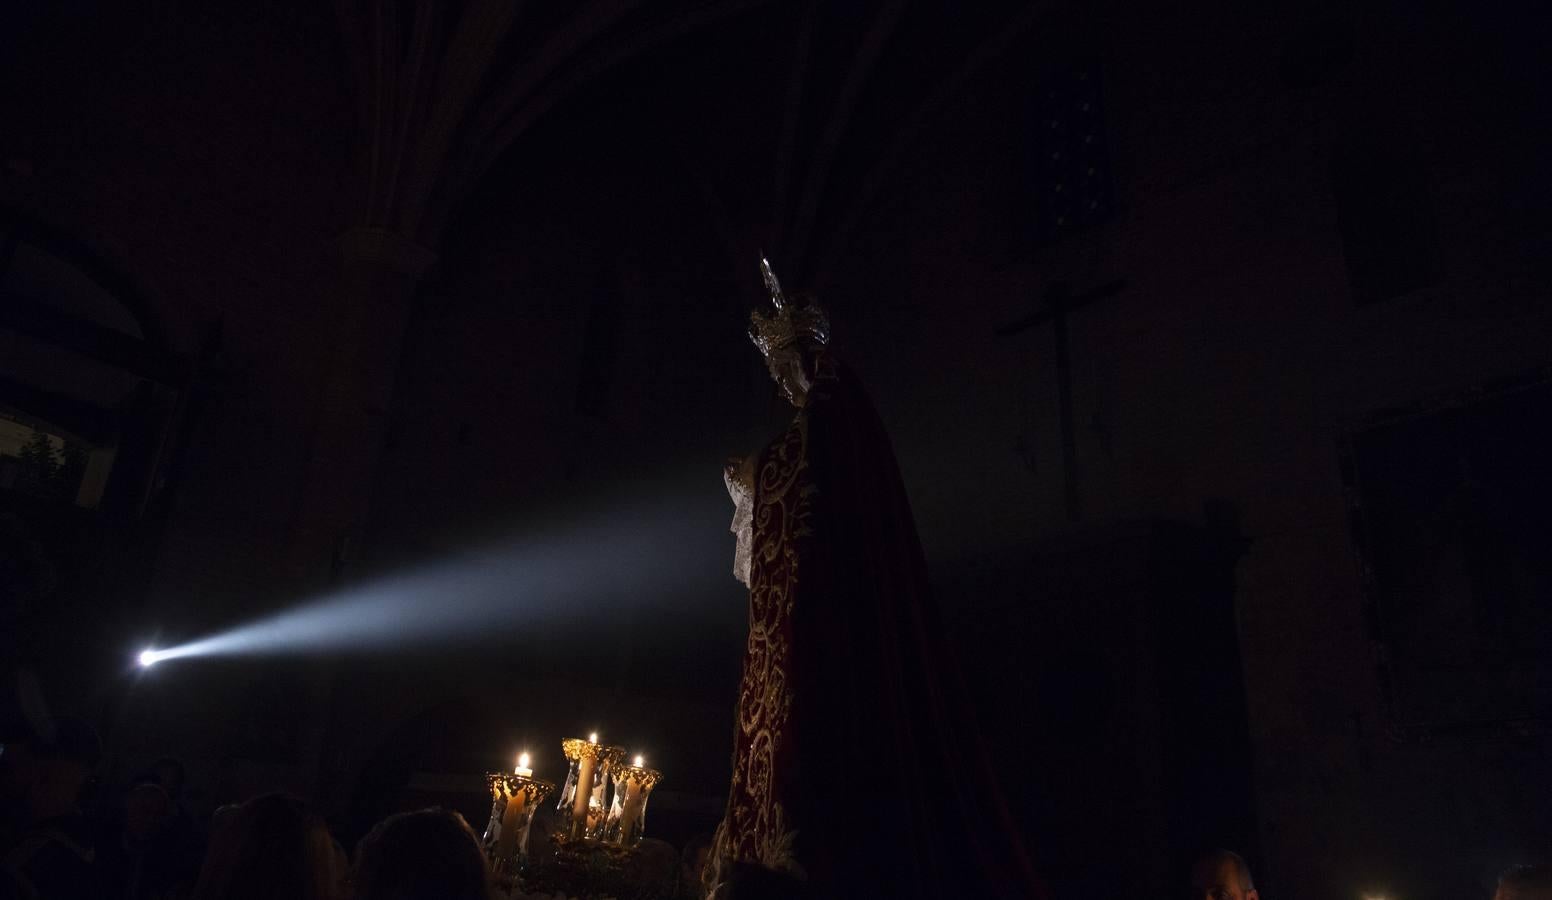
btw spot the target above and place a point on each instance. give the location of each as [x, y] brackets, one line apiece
[668, 554]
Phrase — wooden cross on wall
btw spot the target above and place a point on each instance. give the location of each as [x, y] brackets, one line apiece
[1055, 305]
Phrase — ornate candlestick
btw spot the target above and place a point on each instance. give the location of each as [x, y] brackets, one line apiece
[582, 799]
[514, 800]
[628, 815]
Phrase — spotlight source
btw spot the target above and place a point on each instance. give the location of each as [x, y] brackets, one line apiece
[148, 658]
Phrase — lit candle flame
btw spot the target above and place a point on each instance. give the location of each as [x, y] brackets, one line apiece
[640, 761]
[592, 738]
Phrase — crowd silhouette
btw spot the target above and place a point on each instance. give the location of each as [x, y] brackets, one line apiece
[67, 837]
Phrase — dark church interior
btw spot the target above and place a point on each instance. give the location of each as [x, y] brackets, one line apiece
[1164, 393]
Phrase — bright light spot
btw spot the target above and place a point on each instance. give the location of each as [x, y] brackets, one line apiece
[522, 761]
[592, 738]
[640, 761]
[148, 658]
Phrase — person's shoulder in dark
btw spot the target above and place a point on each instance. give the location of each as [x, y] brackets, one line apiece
[55, 860]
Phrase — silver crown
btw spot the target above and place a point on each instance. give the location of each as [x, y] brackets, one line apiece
[793, 319]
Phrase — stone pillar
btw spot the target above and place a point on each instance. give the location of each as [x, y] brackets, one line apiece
[380, 273]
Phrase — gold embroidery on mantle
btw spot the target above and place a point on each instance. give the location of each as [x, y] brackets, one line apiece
[755, 828]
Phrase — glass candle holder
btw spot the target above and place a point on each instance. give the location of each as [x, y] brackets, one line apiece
[628, 814]
[514, 800]
[582, 801]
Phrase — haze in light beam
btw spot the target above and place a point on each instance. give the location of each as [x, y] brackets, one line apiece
[672, 550]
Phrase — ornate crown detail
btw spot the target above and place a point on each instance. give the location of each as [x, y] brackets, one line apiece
[793, 319]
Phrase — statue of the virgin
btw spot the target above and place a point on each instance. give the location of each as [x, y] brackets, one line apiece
[857, 768]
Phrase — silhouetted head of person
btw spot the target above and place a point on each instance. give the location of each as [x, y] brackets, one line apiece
[272, 847]
[146, 808]
[48, 771]
[1525, 883]
[692, 860]
[1221, 875]
[169, 773]
[744, 881]
[431, 854]
[223, 817]
[654, 866]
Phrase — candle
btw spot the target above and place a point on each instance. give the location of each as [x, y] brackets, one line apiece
[587, 785]
[584, 797]
[514, 798]
[632, 785]
[635, 798]
[517, 801]
[511, 819]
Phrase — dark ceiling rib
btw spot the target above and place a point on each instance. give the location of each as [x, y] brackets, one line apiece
[577, 75]
[98, 263]
[409, 93]
[384, 80]
[88, 421]
[433, 124]
[93, 341]
[877, 35]
[792, 105]
[357, 57]
[413, 91]
[717, 218]
[470, 51]
[987, 51]
[517, 89]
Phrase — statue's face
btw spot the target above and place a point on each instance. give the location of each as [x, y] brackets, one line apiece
[739, 475]
[792, 368]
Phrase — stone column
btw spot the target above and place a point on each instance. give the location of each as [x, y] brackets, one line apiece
[379, 275]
